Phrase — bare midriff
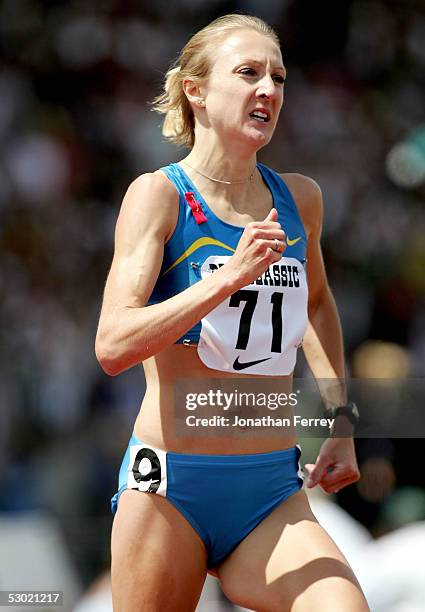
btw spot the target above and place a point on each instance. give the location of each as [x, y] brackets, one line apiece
[155, 423]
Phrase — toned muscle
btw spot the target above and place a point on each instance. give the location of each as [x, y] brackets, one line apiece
[146, 221]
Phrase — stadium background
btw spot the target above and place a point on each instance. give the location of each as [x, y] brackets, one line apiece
[75, 130]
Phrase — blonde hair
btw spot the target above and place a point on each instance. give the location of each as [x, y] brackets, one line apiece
[194, 62]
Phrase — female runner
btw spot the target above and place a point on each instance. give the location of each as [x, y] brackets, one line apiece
[175, 300]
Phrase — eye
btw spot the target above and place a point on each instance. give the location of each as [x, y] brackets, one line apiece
[279, 79]
[248, 71]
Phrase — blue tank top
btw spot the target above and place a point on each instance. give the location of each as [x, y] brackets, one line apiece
[192, 243]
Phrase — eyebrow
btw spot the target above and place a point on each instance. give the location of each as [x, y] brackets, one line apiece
[249, 60]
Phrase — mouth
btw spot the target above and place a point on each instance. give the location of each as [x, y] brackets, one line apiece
[260, 115]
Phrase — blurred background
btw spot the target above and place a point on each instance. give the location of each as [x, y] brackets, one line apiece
[75, 130]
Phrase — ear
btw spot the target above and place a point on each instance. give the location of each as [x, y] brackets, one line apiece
[194, 92]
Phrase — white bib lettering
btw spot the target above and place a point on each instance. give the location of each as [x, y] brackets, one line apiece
[258, 329]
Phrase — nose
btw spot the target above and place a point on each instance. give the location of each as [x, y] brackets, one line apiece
[266, 88]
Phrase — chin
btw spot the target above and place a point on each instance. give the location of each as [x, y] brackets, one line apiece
[252, 138]
[259, 139]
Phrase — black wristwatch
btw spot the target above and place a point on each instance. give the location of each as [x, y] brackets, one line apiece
[349, 410]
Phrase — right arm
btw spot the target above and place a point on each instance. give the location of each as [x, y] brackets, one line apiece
[129, 332]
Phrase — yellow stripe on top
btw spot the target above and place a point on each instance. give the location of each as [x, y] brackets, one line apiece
[200, 242]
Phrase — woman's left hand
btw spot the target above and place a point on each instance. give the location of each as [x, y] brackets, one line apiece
[335, 467]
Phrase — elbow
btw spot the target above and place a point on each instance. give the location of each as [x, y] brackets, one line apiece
[107, 359]
[114, 361]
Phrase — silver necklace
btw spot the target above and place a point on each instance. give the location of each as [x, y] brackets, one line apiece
[248, 180]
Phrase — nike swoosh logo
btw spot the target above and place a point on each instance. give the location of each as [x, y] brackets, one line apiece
[290, 242]
[201, 242]
[237, 365]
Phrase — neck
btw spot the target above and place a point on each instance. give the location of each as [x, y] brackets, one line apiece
[220, 162]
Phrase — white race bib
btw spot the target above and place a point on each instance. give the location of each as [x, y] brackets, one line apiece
[258, 329]
[147, 469]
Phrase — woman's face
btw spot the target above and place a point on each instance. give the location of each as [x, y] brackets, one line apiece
[244, 93]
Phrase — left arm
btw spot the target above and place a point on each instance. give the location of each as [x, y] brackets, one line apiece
[336, 465]
[323, 342]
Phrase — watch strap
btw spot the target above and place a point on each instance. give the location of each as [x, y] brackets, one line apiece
[348, 410]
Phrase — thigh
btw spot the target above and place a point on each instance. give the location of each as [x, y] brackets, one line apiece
[289, 563]
[158, 560]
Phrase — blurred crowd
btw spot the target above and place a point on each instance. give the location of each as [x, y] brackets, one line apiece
[76, 128]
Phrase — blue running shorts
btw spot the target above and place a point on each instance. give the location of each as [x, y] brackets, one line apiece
[223, 497]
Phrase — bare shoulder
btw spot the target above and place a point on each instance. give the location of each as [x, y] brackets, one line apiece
[144, 222]
[308, 198]
[151, 201]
